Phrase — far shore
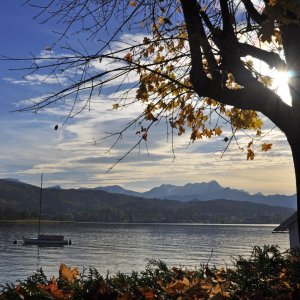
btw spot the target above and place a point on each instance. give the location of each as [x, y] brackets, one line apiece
[34, 221]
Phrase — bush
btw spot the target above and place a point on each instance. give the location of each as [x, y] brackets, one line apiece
[266, 274]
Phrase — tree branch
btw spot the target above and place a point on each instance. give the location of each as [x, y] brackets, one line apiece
[252, 96]
[271, 58]
[254, 14]
[226, 17]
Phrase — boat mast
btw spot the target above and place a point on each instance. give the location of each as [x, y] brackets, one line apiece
[40, 212]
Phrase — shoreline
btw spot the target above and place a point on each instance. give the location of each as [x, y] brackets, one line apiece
[34, 221]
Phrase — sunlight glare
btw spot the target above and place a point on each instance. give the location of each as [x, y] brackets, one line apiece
[280, 84]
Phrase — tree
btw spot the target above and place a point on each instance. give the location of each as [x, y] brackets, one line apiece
[196, 59]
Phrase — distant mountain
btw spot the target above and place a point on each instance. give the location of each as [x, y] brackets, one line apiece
[192, 191]
[116, 189]
[13, 179]
[206, 191]
[20, 200]
[54, 187]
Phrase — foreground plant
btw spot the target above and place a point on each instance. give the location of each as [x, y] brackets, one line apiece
[266, 274]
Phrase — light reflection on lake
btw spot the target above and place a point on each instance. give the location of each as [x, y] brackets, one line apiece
[126, 247]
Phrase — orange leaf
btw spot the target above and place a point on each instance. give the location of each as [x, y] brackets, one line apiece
[67, 274]
[266, 147]
[54, 291]
[148, 294]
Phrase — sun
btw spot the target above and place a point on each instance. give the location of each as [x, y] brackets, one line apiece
[280, 85]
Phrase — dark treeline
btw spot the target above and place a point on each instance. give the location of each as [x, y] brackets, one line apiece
[21, 201]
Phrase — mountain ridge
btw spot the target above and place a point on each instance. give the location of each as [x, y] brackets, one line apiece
[195, 191]
[206, 191]
[20, 200]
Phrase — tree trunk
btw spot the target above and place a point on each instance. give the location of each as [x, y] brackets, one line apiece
[295, 147]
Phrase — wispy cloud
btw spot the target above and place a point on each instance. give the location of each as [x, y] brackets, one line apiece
[68, 156]
[38, 79]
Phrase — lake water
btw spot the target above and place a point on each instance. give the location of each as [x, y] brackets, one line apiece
[126, 247]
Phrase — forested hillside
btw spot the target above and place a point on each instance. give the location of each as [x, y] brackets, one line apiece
[19, 200]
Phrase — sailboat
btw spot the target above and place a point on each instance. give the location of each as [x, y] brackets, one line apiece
[45, 239]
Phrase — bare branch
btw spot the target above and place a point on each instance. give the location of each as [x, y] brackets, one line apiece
[255, 15]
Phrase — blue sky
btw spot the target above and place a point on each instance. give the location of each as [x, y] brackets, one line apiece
[30, 145]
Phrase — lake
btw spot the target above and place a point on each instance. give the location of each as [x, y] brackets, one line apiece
[126, 247]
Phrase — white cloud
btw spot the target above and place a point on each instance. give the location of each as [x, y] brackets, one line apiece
[68, 157]
[38, 79]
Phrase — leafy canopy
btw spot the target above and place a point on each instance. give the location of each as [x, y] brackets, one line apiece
[194, 63]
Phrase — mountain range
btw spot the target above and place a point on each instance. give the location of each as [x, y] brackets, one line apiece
[204, 191]
[21, 200]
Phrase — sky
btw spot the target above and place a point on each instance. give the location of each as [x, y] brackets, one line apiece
[70, 158]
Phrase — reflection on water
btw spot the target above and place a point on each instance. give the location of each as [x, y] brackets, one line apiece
[126, 247]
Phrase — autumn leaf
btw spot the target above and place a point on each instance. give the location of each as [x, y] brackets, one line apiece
[272, 2]
[267, 81]
[161, 20]
[54, 291]
[218, 131]
[128, 57]
[250, 154]
[148, 294]
[266, 147]
[230, 77]
[21, 291]
[179, 285]
[125, 296]
[132, 3]
[146, 40]
[258, 133]
[67, 274]
[266, 31]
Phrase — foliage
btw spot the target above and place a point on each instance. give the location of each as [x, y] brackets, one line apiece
[266, 274]
[195, 63]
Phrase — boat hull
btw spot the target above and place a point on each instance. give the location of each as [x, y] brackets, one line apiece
[51, 240]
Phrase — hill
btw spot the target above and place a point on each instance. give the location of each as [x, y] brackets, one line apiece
[205, 191]
[22, 200]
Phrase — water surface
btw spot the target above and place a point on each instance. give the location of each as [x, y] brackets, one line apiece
[126, 247]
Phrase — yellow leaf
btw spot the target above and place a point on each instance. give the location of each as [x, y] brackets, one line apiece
[115, 106]
[267, 81]
[67, 274]
[230, 77]
[204, 8]
[218, 130]
[159, 59]
[161, 20]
